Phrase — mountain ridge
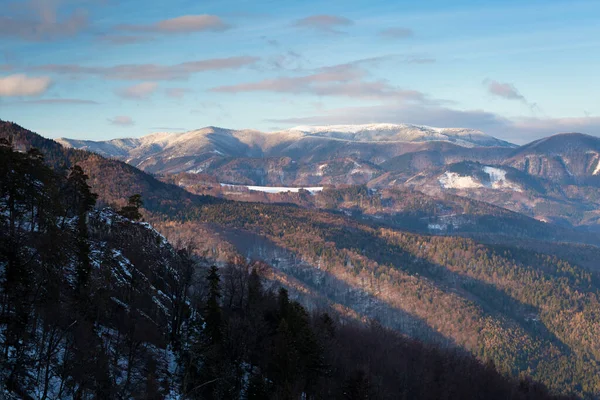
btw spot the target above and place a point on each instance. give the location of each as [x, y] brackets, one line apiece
[383, 133]
[557, 178]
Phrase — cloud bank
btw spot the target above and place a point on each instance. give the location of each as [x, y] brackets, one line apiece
[517, 130]
[140, 91]
[344, 80]
[23, 85]
[178, 25]
[150, 71]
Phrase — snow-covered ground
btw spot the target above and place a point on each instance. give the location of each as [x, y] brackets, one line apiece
[275, 189]
[401, 132]
[498, 179]
[452, 180]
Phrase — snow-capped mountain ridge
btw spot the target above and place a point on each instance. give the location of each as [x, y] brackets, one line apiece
[353, 128]
[385, 132]
[377, 132]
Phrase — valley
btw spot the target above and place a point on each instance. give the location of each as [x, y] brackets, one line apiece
[440, 264]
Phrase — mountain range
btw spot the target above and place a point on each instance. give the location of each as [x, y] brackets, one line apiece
[551, 179]
[445, 252]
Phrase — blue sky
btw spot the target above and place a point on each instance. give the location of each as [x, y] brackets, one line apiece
[100, 69]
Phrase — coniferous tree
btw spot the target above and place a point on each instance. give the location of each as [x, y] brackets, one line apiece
[132, 209]
[83, 201]
[16, 275]
[254, 289]
[213, 313]
[208, 384]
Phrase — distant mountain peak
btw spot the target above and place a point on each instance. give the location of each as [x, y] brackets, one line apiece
[562, 143]
[386, 132]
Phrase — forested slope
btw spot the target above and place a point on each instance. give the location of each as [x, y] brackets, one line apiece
[524, 310]
[94, 305]
[529, 313]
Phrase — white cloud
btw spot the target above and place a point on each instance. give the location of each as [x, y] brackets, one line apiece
[345, 80]
[23, 85]
[121, 120]
[151, 71]
[140, 91]
[504, 90]
[55, 101]
[125, 39]
[182, 24]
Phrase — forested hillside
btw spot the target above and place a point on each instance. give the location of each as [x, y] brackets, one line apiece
[97, 305]
[524, 310]
[528, 313]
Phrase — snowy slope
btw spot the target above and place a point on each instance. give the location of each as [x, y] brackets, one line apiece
[204, 149]
[497, 180]
[230, 141]
[403, 133]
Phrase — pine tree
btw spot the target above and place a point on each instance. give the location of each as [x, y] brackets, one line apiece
[284, 302]
[254, 289]
[212, 312]
[210, 349]
[83, 201]
[16, 277]
[132, 209]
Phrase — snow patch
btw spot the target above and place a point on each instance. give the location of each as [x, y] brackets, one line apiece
[357, 168]
[436, 227]
[275, 189]
[321, 169]
[498, 179]
[452, 180]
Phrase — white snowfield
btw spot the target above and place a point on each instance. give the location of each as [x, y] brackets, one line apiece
[498, 179]
[452, 180]
[401, 133]
[275, 189]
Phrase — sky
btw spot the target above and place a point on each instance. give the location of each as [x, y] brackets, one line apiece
[103, 69]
